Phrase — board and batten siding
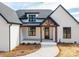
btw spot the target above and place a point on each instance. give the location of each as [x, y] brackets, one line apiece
[14, 36]
[4, 35]
[65, 20]
[24, 33]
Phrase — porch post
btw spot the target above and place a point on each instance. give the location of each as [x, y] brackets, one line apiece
[56, 34]
[40, 34]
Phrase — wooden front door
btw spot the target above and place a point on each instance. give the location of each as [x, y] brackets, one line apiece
[46, 32]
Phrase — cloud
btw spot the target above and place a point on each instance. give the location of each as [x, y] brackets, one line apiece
[32, 5]
[70, 3]
[22, 5]
[45, 5]
[66, 3]
[74, 10]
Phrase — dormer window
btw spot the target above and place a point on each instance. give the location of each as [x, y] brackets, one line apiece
[32, 18]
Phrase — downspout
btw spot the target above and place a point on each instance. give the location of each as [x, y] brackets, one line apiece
[9, 36]
[19, 34]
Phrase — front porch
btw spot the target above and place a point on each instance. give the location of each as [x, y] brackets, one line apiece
[40, 35]
[45, 32]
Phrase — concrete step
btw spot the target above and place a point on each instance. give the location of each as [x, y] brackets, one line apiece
[48, 43]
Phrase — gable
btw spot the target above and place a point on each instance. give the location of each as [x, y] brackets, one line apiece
[49, 22]
[60, 13]
[63, 17]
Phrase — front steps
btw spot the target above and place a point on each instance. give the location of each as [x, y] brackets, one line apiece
[48, 43]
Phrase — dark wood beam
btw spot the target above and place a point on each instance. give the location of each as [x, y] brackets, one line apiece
[56, 34]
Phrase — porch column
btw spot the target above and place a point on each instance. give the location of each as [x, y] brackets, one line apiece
[40, 34]
[56, 34]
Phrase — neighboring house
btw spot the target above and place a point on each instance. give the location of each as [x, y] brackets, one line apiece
[30, 26]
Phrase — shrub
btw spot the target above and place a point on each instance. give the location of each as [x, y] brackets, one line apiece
[23, 43]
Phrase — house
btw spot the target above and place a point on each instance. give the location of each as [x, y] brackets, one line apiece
[39, 25]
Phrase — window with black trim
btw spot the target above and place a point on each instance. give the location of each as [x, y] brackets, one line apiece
[67, 32]
[32, 18]
[32, 31]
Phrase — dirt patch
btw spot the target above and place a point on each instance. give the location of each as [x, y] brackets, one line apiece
[21, 50]
[68, 50]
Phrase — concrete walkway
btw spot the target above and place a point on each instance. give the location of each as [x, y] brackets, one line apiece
[45, 51]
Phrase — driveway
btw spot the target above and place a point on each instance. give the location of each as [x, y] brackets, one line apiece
[46, 50]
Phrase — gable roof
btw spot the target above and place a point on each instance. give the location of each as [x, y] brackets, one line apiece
[51, 20]
[65, 11]
[8, 14]
[42, 13]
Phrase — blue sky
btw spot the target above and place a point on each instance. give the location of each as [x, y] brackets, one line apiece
[71, 5]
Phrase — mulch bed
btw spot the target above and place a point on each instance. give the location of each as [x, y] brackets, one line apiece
[21, 50]
[68, 50]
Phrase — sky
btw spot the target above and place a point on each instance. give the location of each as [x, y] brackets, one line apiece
[72, 6]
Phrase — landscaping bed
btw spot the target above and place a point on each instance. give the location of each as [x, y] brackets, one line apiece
[68, 50]
[21, 50]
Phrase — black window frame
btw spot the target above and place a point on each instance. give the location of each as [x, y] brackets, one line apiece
[67, 32]
[32, 18]
[31, 31]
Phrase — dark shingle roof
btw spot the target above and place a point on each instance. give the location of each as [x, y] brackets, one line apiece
[42, 13]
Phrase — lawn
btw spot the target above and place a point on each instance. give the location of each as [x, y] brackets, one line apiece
[68, 50]
[21, 50]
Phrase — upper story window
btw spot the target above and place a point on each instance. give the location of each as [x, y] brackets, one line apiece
[32, 18]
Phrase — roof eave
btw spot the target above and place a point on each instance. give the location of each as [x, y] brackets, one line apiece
[8, 21]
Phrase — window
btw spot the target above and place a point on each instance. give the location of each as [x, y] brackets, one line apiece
[67, 32]
[32, 31]
[32, 18]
